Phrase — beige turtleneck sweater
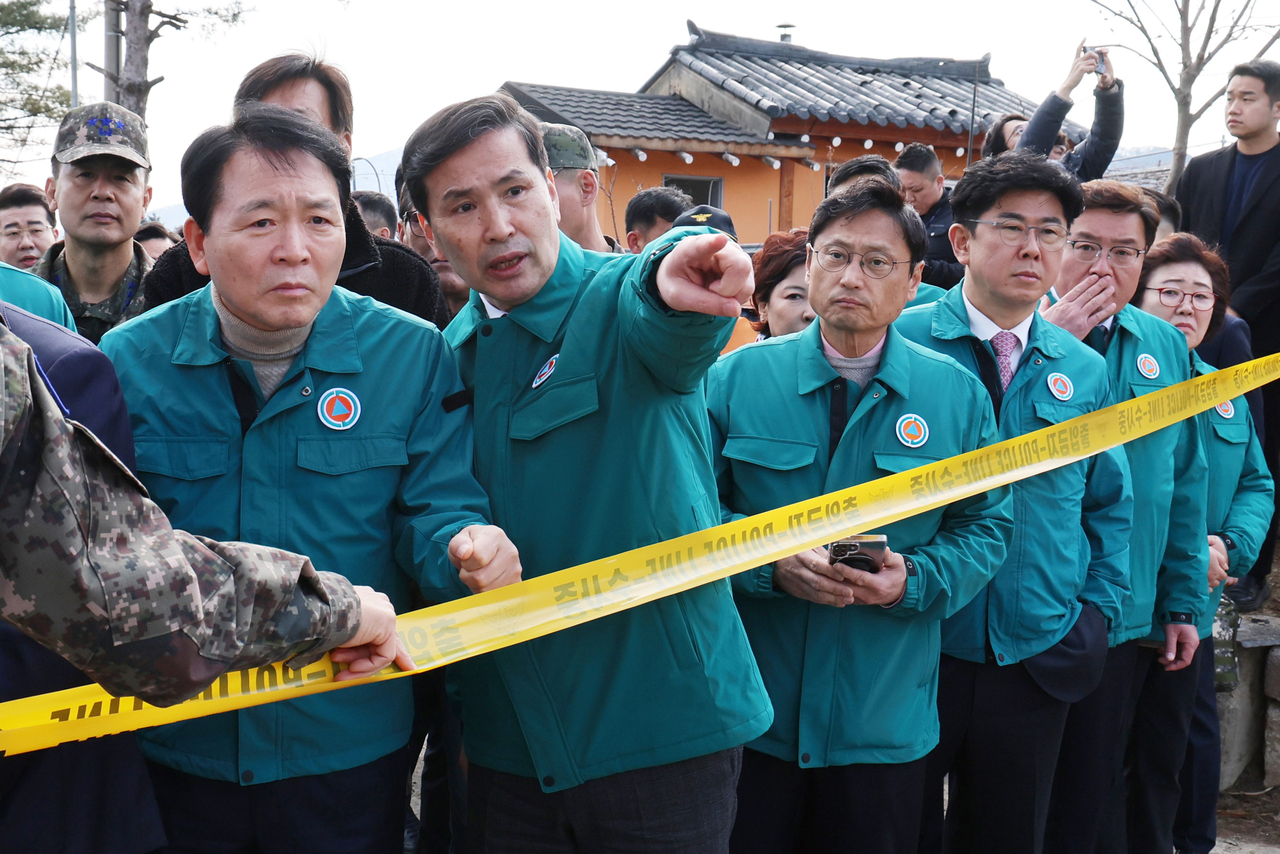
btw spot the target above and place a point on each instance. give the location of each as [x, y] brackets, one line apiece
[270, 353]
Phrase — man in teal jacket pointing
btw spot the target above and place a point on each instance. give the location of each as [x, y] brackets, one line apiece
[591, 439]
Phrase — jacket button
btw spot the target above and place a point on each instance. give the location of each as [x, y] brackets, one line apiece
[486, 330]
[548, 781]
[1000, 656]
[246, 776]
[306, 391]
[877, 394]
[804, 758]
[1039, 361]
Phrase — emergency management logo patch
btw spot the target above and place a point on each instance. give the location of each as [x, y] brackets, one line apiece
[546, 371]
[339, 409]
[912, 431]
[1060, 386]
[1226, 409]
[1148, 366]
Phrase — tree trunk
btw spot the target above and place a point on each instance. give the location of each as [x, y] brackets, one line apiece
[133, 87]
[1180, 138]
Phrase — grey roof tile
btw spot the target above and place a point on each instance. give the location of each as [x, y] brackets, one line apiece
[626, 114]
[781, 79]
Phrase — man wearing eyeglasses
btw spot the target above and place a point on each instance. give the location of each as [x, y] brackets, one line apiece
[1035, 639]
[412, 233]
[27, 226]
[850, 658]
[1148, 685]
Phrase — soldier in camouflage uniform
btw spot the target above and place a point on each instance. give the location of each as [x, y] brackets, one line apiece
[572, 159]
[93, 570]
[99, 189]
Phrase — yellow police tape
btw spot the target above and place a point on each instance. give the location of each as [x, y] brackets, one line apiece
[457, 630]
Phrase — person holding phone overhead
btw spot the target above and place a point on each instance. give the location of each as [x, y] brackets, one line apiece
[1091, 157]
[849, 657]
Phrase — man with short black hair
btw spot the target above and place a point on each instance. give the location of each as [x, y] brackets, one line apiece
[1230, 199]
[866, 164]
[575, 361]
[850, 657]
[99, 188]
[28, 226]
[572, 158]
[373, 266]
[650, 214]
[920, 172]
[271, 406]
[156, 239]
[377, 211]
[1035, 639]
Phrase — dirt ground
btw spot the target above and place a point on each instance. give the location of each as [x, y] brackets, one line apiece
[1249, 815]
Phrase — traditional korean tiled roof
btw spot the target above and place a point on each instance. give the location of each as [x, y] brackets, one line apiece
[625, 114]
[785, 79]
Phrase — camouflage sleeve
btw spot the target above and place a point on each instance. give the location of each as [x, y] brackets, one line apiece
[91, 568]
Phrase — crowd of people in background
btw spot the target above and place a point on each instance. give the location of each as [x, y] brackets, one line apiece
[470, 383]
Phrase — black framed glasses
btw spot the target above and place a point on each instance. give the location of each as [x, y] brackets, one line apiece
[1086, 252]
[833, 259]
[1015, 233]
[414, 224]
[1200, 300]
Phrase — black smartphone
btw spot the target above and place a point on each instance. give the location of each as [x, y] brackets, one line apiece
[863, 551]
[1102, 60]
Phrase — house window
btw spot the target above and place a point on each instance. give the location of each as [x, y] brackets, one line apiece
[703, 191]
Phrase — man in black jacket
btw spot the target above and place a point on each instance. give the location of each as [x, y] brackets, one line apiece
[373, 266]
[920, 172]
[1231, 198]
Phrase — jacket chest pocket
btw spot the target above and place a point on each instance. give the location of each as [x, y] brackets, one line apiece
[776, 454]
[555, 407]
[1232, 433]
[347, 455]
[183, 458]
[1049, 413]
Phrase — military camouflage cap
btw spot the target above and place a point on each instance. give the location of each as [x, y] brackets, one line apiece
[567, 147]
[102, 128]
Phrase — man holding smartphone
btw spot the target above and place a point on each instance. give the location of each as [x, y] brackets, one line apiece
[849, 657]
[1035, 639]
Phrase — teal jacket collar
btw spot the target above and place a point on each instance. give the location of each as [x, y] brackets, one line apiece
[951, 321]
[814, 371]
[545, 313]
[331, 348]
[1128, 319]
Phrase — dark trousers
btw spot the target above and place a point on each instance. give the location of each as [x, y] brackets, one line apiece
[681, 808]
[1091, 756]
[360, 809]
[998, 749]
[1265, 332]
[843, 809]
[440, 827]
[1157, 749]
[1195, 828]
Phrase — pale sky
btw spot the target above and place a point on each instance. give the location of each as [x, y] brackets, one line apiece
[408, 59]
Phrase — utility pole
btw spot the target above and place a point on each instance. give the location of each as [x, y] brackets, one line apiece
[75, 68]
[113, 32]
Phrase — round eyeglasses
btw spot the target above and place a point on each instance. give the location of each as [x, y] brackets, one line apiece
[1014, 233]
[1086, 252]
[1200, 300]
[833, 259]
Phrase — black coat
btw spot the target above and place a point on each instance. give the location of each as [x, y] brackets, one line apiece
[389, 272]
[941, 268]
[1254, 254]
